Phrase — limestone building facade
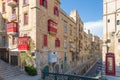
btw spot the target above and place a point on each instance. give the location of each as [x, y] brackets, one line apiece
[111, 38]
[41, 34]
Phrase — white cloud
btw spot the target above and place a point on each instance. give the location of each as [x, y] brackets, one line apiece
[96, 27]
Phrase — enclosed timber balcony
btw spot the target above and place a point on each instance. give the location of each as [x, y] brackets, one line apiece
[12, 3]
[23, 43]
[52, 27]
[12, 28]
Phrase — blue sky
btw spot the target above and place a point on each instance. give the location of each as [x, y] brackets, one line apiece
[90, 12]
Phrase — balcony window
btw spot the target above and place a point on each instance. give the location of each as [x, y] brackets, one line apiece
[23, 43]
[43, 3]
[25, 18]
[3, 7]
[56, 11]
[12, 27]
[52, 27]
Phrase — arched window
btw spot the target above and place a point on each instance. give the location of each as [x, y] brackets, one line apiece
[56, 11]
[43, 3]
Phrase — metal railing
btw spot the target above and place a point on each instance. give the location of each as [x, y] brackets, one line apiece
[57, 76]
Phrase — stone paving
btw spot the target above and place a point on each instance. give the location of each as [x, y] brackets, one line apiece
[9, 72]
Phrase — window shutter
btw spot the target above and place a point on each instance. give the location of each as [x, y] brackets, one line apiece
[41, 1]
[45, 40]
[3, 7]
[25, 18]
[54, 10]
[46, 4]
[58, 43]
[57, 11]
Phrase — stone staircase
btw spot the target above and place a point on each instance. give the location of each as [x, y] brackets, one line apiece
[8, 71]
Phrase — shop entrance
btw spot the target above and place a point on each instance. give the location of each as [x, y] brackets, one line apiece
[14, 60]
[4, 54]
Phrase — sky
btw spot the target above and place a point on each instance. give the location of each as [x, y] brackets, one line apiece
[90, 11]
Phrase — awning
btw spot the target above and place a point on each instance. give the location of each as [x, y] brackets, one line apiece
[14, 50]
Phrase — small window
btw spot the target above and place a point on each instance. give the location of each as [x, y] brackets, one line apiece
[65, 28]
[3, 41]
[4, 24]
[43, 3]
[25, 19]
[118, 40]
[3, 7]
[71, 31]
[118, 22]
[33, 54]
[25, 2]
[108, 41]
[65, 44]
[108, 20]
[56, 11]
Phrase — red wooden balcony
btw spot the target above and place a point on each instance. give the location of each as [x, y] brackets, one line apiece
[12, 28]
[52, 27]
[23, 43]
[12, 2]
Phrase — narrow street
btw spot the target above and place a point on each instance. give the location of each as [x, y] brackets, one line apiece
[95, 71]
[8, 72]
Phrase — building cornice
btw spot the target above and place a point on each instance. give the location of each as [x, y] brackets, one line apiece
[66, 15]
[111, 13]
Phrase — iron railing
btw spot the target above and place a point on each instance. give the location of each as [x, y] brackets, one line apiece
[56, 76]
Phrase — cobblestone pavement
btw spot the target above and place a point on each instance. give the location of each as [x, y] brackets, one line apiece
[9, 72]
[1, 78]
